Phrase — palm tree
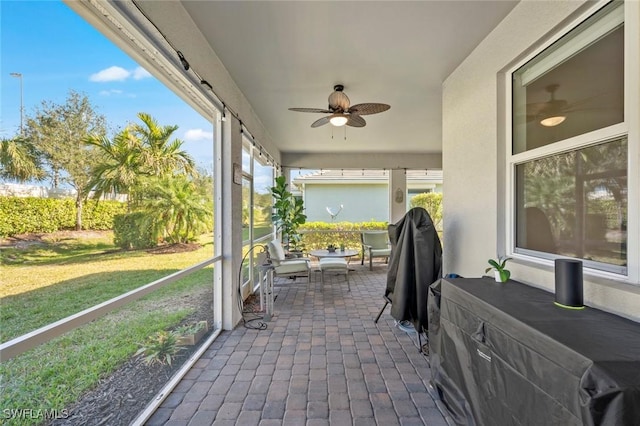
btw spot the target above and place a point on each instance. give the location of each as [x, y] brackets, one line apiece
[137, 152]
[161, 155]
[143, 162]
[175, 209]
[121, 165]
[19, 160]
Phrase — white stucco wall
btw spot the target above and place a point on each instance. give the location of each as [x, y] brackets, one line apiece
[474, 156]
[361, 202]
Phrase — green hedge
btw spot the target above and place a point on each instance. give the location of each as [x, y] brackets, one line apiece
[318, 235]
[24, 215]
[129, 232]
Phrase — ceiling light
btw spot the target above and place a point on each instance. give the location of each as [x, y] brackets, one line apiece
[339, 120]
[552, 121]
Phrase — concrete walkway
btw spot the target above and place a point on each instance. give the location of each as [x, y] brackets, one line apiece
[321, 360]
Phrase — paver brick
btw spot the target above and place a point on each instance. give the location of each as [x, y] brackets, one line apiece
[322, 360]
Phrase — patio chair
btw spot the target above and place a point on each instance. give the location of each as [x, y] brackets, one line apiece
[287, 267]
[375, 244]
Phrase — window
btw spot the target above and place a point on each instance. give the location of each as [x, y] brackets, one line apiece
[257, 228]
[569, 147]
[575, 204]
[262, 199]
[573, 87]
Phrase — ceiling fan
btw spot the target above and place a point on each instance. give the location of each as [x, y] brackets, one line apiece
[554, 111]
[341, 112]
[549, 113]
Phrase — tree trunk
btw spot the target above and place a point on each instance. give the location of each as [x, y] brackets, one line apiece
[78, 212]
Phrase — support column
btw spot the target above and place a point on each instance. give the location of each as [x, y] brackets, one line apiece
[397, 194]
[231, 216]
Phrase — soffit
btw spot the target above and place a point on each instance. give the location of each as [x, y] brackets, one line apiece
[291, 54]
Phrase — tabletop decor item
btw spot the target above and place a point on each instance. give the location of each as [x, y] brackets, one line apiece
[498, 265]
[569, 292]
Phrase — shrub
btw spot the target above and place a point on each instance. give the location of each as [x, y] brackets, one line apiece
[129, 231]
[160, 348]
[99, 215]
[318, 235]
[432, 203]
[23, 215]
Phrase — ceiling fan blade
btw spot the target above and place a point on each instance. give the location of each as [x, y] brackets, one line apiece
[356, 121]
[320, 122]
[369, 108]
[318, 110]
[536, 108]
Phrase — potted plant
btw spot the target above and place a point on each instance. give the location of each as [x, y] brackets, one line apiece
[190, 334]
[498, 266]
[288, 214]
[331, 248]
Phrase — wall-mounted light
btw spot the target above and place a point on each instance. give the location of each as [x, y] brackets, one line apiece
[399, 195]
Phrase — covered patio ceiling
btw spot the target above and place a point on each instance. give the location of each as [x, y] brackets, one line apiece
[290, 54]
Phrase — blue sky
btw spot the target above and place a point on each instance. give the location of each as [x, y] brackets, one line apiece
[55, 50]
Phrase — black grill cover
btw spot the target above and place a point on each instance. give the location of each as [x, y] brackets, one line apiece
[415, 263]
[505, 354]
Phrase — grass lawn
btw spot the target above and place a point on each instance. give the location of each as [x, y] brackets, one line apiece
[258, 231]
[44, 283]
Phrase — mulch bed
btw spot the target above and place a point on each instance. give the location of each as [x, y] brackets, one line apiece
[120, 398]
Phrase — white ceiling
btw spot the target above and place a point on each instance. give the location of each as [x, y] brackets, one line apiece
[291, 54]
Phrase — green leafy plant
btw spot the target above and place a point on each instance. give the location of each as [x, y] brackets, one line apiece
[288, 214]
[160, 348]
[22, 215]
[332, 247]
[317, 235]
[192, 328]
[499, 266]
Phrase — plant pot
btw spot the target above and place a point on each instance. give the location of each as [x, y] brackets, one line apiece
[192, 339]
[498, 277]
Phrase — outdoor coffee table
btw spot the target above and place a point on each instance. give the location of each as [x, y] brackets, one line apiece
[345, 254]
[338, 254]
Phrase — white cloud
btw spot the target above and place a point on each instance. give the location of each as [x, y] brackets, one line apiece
[110, 92]
[115, 73]
[197, 135]
[110, 74]
[140, 73]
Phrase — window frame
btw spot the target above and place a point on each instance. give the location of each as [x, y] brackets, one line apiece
[253, 155]
[629, 128]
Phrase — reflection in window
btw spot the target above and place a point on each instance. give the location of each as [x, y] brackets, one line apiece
[573, 87]
[246, 226]
[262, 199]
[246, 157]
[575, 204]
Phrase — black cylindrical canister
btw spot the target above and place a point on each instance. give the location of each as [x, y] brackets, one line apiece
[569, 292]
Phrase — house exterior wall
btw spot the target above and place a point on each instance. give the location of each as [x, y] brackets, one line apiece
[362, 203]
[474, 155]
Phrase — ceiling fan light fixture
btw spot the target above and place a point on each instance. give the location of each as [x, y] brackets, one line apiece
[553, 120]
[341, 112]
[339, 120]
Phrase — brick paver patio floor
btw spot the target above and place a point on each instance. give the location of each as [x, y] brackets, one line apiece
[321, 360]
